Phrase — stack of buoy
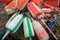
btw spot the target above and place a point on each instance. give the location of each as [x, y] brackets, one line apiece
[36, 16]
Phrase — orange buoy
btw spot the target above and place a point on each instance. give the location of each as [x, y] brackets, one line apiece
[21, 4]
[34, 9]
[37, 2]
[10, 5]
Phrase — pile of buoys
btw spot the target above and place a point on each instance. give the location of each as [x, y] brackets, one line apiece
[36, 16]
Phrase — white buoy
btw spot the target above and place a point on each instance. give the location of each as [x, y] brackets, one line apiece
[28, 29]
[40, 31]
[13, 24]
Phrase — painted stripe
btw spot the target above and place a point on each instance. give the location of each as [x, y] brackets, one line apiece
[29, 27]
[58, 2]
[36, 7]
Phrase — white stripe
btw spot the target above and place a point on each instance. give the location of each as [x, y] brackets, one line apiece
[7, 32]
[36, 6]
[16, 3]
[58, 2]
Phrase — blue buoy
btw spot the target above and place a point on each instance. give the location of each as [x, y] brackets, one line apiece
[50, 25]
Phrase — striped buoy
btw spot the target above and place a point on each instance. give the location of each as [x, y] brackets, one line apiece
[28, 29]
[34, 9]
[14, 23]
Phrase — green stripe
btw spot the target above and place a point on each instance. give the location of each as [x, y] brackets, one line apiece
[14, 16]
[29, 27]
[11, 19]
[18, 25]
